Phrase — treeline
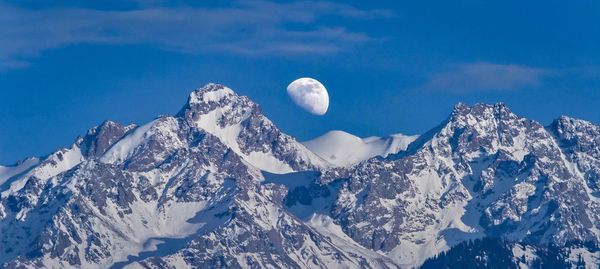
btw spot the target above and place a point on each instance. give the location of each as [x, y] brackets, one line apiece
[492, 252]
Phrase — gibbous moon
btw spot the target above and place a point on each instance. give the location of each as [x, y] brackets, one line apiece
[309, 94]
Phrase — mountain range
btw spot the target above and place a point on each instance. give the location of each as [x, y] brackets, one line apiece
[218, 185]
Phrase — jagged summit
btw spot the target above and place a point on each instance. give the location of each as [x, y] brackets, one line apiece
[482, 111]
[211, 92]
[98, 139]
[240, 124]
[207, 97]
[566, 126]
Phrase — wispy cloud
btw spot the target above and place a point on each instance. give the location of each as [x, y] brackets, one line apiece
[482, 76]
[251, 28]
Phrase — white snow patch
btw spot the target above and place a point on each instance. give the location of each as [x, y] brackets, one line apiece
[125, 147]
[62, 160]
[228, 136]
[519, 147]
[524, 253]
[591, 259]
[146, 227]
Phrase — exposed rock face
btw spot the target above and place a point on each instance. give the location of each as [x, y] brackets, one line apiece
[219, 185]
[580, 141]
[100, 138]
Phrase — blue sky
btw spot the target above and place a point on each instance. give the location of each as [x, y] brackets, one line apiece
[389, 66]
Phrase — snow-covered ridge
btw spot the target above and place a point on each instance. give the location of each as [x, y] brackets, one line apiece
[125, 147]
[56, 163]
[7, 172]
[344, 149]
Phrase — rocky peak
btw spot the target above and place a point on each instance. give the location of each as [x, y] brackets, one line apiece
[484, 129]
[212, 96]
[579, 139]
[466, 114]
[574, 130]
[98, 139]
[240, 124]
[211, 92]
[217, 109]
[580, 142]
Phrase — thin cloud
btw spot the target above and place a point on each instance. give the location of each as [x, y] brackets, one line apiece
[481, 76]
[251, 28]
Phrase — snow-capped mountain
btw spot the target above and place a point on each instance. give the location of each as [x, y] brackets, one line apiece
[241, 126]
[220, 186]
[483, 172]
[344, 149]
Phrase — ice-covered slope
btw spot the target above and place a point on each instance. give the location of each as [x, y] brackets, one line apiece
[344, 149]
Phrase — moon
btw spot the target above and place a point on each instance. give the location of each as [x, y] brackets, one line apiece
[310, 95]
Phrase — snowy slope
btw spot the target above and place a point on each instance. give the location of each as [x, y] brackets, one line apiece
[125, 147]
[344, 149]
[7, 172]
